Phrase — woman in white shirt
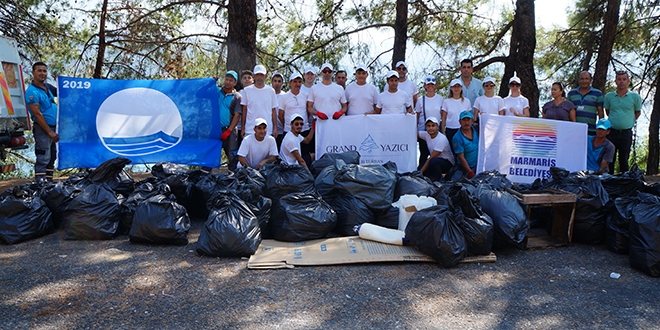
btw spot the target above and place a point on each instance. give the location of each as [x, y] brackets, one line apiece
[489, 103]
[515, 104]
[452, 108]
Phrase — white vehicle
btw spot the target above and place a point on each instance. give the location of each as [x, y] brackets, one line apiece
[14, 117]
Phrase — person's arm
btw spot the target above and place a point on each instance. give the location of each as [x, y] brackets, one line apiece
[637, 113]
[604, 166]
[234, 121]
[376, 111]
[443, 123]
[434, 154]
[502, 112]
[344, 107]
[298, 158]
[243, 161]
[274, 118]
[268, 159]
[601, 113]
[415, 97]
[309, 136]
[525, 112]
[571, 115]
[280, 115]
[41, 121]
[243, 116]
[464, 164]
[409, 109]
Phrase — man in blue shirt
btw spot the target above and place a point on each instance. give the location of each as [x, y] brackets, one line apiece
[472, 87]
[600, 151]
[43, 110]
[230, 115]
[466, 144]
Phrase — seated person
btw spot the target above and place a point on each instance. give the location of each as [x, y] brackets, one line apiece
[441, 158]
[466, 144]
[600, 151]
[290, 151]
[257, 149]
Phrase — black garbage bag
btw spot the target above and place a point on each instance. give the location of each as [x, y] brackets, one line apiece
[325, 184]
[164, 170]
[435, 232]
[477, 226]
[617, 238]
[112, 173]
[249, 178]
[23, 215]
[455, 173]
[624, 184]
[285, 179]
[329, 159]
[92, 215]
[144, 190]
[57, 196]
[645, 235]
[388, 219]
[494, 178]
[653, 189]
[372, 184]
[302, 217]
[413, 183]
[208, 186]
[508, 216]
[351, 212]
[160, 220]
[391, 166]
[231, 230]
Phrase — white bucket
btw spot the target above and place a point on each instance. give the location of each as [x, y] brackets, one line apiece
[409, 204]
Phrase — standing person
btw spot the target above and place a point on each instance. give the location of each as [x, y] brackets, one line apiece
[246, 79]
[259, 101]
[231, 113]
[341, 78]
[472, 87]
[452, 107]
[559, 108]
[290, 151]
[429, 106]
[361, 96]
[310, 78]
[277, 81]
[406, 84]
[441, 158]
[588, 101]
[623, 107]
[489, 103]
[295, 102]
[393, 100]
[600, 151]
[326, 97]
[43, 110]
[515, 104]
[259, 148]
[466, 145]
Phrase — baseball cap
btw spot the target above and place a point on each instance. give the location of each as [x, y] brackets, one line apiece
[310, 69]
[603, 123]
[400, 63]
[489, 80]
[432, 119]
[294, 76]
[327, 65]
[466, 114]
[429, 80]
[514, 79]
[361, 67]
[260, 121]
[233, 74]
[259, 69]
[391, 74]
[455, 82]
[276, 73]
[294, 117]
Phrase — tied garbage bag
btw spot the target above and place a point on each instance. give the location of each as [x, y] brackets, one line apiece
[435, 232]
[617, 238]
[112, 173]
[92, 215]
[286, 179]
[160, 220]
[325, 184]
[476, 225]
[496, 179]
[23, 215]
[388, 219]
[302, 217]
[329, 159]
[58, 196]
[413, 183]
[164, 170]
[508, 216]
[372, 184]
[624, 184]
[231, 229]
[208, 186]
[144, 190]
[645, 235]
[182, 184]
[351, 212]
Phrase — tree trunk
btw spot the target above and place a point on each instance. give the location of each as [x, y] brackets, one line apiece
[241, 35]
[610, 22]
[100, 56]
[400, 32]
[653, 158]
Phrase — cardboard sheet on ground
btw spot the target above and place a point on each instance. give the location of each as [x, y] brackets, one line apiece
[274, 254]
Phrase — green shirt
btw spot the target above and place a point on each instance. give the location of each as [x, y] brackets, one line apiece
[622, 109]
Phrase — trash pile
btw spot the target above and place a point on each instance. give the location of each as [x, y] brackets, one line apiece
[333, 198]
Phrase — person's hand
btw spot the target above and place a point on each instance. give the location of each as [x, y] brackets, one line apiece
[470, 175]
[321, 115]
[337, 114]
[225, 134]
[54, 136]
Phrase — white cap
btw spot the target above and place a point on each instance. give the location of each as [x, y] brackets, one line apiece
[310, 69]
[276, 73]
[514, 79]
[429, 80]
[391, 74]
[327, 65]
[362, 67]
[489, 79]
[294, 76]
[294, 117]
[400, 63]
[433, 119]
[455, 82]
[259, 69]
[260, 121]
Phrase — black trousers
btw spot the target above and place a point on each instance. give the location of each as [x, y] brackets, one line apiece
[622, 140]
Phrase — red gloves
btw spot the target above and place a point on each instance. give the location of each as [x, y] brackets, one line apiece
[225, 135]
[314, 125]
[337, 114]
[321, 115]
[470, 175]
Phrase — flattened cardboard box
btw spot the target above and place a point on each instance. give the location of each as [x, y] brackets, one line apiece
[333, 251]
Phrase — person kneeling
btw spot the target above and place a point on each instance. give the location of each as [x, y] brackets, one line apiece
[257, 149]
[600, 151]
[441, 158]
[290, 151]
[466, 144]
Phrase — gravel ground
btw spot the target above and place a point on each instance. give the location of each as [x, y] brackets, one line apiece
[50, 283]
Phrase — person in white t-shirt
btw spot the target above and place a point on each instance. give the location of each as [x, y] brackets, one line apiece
[489, 103]
[257, 149]
[309, 79]
[393, 100]
[341, 78]
[515, 104]
[326, 97]
[441, 157]
[452, 108]
[406, 84]
[361, 96]
[290, 151]
[277, 81]
[295, 101]
[428, 106]
[259, 101]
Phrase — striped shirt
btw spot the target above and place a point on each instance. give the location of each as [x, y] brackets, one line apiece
[586, 106]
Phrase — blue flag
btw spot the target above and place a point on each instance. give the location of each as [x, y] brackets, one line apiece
[146, 121]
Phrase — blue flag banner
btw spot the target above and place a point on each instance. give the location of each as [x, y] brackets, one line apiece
[146, 121]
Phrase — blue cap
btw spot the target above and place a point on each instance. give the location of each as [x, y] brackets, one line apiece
[233, 74]
[603, 124]
[466, 114]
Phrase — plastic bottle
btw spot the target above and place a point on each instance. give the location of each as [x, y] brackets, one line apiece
[380, 234]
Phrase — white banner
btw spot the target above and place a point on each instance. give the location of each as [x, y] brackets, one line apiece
[525, 148]
[378, 139]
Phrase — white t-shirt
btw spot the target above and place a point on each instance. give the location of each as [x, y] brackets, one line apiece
[290, 143]
[280, 126]
[361, 99]
[305, 89]
[292, 104]
[260, 103]
[255, 151]
[453, 107]
[439, 144]
[518, 103]
[433, 106]
[489, 105]
[394, 103]
[327, 98]
[407, 86]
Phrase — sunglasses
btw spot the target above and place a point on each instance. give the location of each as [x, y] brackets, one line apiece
[327, 71]
[489, 85]
[297, 124]
[514, 84]
[401, 69]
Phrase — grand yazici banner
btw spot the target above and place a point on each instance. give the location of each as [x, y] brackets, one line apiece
[378, 139]
[525, 148]
[147, 121]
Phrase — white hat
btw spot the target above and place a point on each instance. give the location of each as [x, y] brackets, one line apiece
[361, 67]
[294, 76]
[455, 82]
[429, 80]
[260, 121]
[294, 117]
[489, 79]
[310, 69]
[400, 63]
[514, 79]
[276, 73]
[433, 119]
[391, 74]
[327, 65]
[259, 69]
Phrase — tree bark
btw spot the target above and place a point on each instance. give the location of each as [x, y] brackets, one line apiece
[610, 22]
[653, 159]
[241, 35]
[100, 55]
[400, 32]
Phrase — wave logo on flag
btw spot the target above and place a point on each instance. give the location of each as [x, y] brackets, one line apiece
[139, 121]
[534, 139]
